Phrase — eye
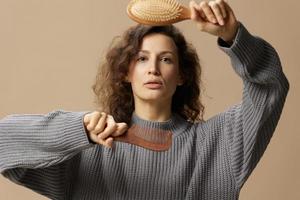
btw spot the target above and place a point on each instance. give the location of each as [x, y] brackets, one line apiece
[166, 60]
[141, 58]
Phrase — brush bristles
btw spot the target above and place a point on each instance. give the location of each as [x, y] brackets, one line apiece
[155, 10]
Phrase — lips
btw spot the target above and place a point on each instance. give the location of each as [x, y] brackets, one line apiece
[153, 84]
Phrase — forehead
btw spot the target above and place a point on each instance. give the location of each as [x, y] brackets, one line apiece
[158, 42]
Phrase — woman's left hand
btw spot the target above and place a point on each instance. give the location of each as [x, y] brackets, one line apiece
[215, 17]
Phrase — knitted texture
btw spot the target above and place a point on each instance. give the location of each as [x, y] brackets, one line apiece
[209, 160]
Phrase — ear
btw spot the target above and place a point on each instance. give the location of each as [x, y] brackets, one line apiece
[127, 79]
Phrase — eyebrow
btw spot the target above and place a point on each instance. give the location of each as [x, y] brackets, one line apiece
[162, 52]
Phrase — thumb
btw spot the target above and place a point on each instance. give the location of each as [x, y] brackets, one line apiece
[229, 11]
[121, 128]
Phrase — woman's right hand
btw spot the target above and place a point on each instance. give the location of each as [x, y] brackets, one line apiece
[215, 17]
[102, 128]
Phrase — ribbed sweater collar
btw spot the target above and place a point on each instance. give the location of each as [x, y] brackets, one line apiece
[176, 124]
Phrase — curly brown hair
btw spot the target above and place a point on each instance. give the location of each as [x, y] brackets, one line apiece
[114, 94]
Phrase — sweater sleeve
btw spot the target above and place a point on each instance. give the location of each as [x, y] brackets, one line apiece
[250, 125]
[37, 151]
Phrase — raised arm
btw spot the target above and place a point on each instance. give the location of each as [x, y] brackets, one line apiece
[251, 124]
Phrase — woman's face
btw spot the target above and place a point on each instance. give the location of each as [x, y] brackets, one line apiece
[154, 72]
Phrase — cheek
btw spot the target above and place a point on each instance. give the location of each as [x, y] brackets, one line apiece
[135, 77]
[135, 70]
[172, 76]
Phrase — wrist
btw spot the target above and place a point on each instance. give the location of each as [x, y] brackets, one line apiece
[229, 36]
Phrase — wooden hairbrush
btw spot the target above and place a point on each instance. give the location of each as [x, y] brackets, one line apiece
[148, 138]
[157, 12]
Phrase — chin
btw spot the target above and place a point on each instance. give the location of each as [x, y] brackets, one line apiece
[155, 97]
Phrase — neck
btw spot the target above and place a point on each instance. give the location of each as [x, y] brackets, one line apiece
[153, 111]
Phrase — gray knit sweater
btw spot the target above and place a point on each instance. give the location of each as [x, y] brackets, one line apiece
[209, 160]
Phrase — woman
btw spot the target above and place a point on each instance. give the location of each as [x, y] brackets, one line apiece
[151, 79]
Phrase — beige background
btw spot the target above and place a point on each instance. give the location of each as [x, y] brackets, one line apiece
[50, 49]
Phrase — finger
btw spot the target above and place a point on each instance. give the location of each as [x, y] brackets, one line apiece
[86, 119]
[193, 10]
[229, 11]
[208, 12]
[100, 125]
[94, 118]
[110, 128]
[227, 7]
[121, 128]
[93, 137]
[196, 12]
[221, 4]
[217, 12]
[109, 142]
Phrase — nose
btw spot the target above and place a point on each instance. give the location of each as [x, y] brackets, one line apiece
[153, 68]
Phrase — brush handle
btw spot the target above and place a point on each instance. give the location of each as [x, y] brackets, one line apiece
[127, 138]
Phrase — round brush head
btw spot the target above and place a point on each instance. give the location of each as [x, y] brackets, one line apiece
[155, 12]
